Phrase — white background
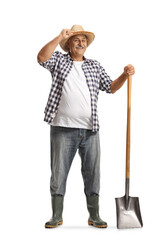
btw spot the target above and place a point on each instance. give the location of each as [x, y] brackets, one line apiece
[126, 32]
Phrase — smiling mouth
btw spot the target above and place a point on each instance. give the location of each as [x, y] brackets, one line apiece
[80, 47]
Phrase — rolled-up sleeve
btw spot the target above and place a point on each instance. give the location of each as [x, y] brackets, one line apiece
[105, 81]
[50, 63]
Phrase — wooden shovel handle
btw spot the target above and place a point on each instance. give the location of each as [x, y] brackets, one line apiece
[128, 127]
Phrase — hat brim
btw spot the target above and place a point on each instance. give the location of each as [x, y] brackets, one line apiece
[90, 37]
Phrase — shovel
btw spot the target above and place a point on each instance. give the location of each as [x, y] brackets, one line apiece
[127, 208]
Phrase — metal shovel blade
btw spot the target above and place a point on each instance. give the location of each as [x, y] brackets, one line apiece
[128, 212]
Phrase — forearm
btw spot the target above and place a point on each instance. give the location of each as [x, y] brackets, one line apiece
[46, 52]
[118, 83]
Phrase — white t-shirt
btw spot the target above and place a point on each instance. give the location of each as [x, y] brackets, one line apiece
[75, 105]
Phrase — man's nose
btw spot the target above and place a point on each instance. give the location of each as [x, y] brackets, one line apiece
[80, 43]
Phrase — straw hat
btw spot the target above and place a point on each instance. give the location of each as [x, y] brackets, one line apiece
[77, 29]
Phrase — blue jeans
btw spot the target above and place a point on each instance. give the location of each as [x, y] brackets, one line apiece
[64, 144]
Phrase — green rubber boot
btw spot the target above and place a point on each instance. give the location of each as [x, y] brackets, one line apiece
[93, 208]
[57, 208]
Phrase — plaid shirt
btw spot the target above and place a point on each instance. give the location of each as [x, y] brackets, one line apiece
[60, 65]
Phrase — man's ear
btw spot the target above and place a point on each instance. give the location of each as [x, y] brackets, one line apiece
[87, 40]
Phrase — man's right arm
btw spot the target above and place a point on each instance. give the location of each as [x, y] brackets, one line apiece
[46, 52]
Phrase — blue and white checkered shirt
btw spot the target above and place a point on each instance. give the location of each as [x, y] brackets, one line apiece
[60, 65]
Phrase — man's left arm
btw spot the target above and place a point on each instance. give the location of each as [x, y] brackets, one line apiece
[118, 83]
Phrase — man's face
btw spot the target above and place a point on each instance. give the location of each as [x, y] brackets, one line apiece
[77, 45]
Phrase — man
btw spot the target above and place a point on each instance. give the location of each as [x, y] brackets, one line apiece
[71, 111]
